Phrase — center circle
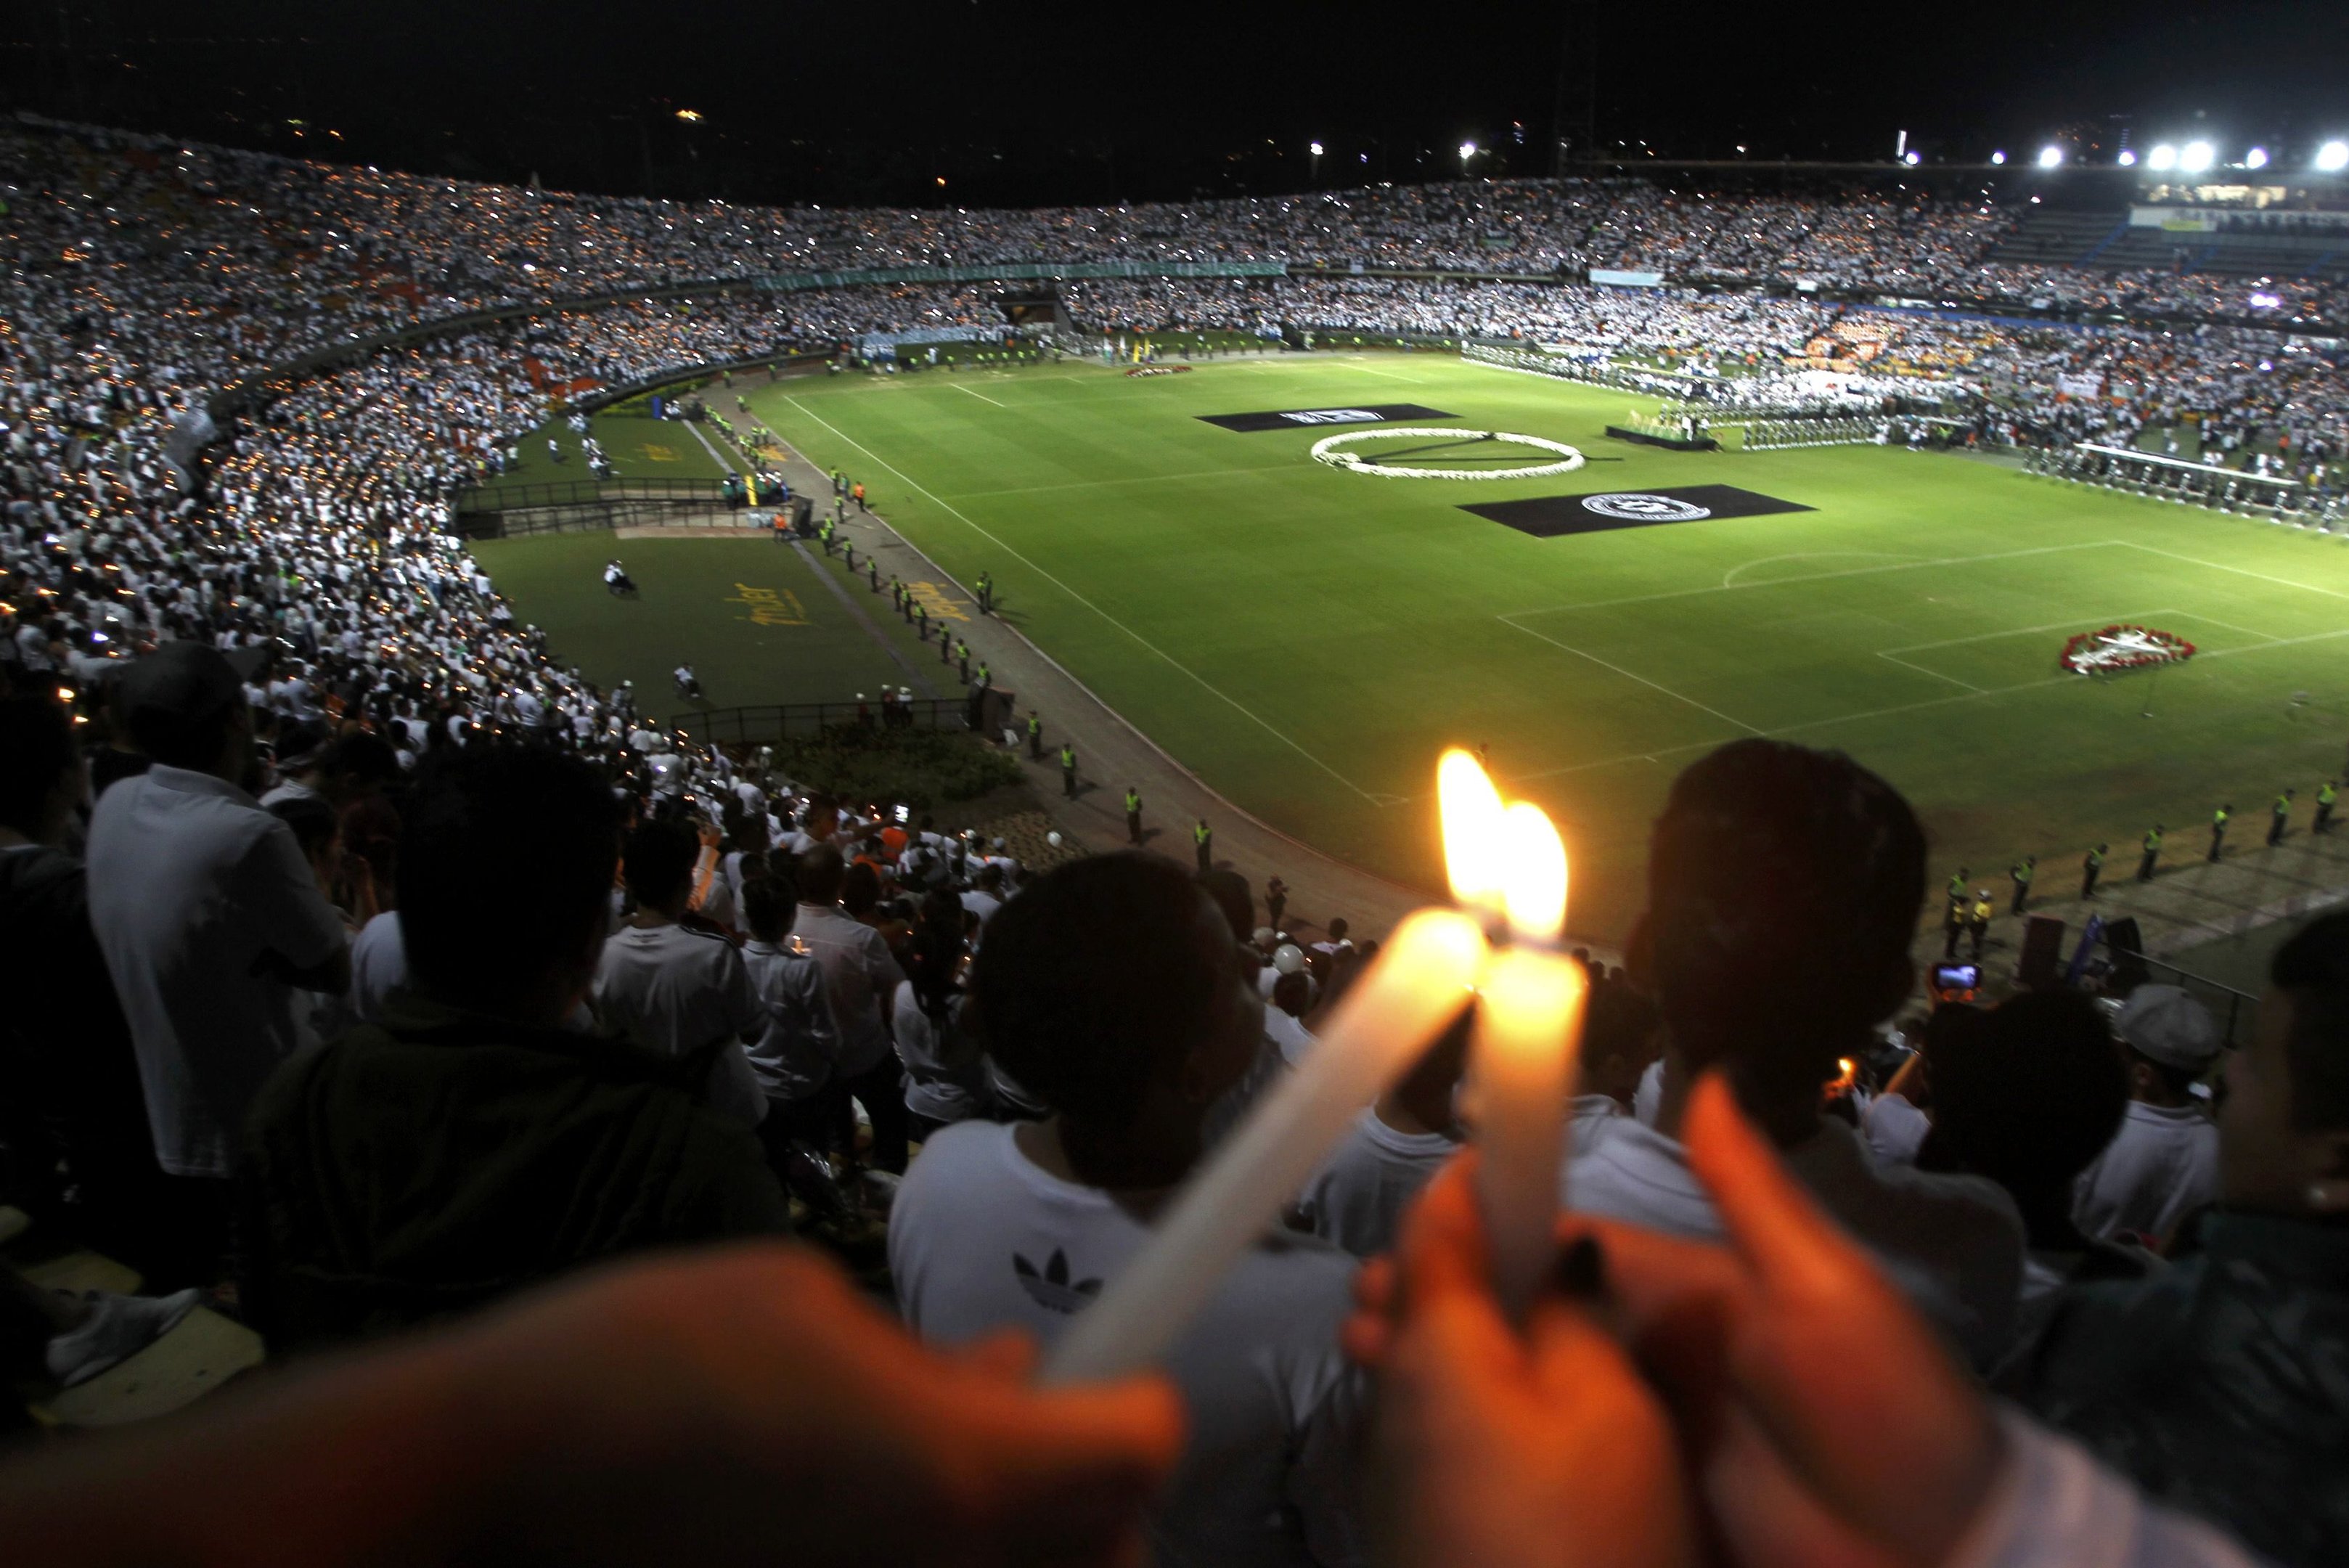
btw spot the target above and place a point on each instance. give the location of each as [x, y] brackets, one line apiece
[1330, 450]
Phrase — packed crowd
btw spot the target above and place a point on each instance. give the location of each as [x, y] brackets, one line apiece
[381, 1047]
[375, 970]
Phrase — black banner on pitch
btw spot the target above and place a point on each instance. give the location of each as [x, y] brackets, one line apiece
[1548, 516]
[1314, 419]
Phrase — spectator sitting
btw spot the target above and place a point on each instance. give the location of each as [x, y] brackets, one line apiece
[209, 920]
[2026, 1094]
[680, 989]
[1783, 886]
[1113, 986]
[1357, 1199]
[798, 1049]
[2217, 1386]
[861, 978]
[471, 1143]
[1618, 1042]
[946, 1070]
[2163, 1163]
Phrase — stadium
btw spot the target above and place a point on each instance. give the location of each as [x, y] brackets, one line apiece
[1067, 757]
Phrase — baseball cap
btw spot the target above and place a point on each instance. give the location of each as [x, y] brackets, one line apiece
[2166, 1025]
[164, 694]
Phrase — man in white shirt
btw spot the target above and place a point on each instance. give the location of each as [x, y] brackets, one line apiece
[209, 916]
[2163, 1163]
[798, 1048]
[861, 978]
[1396, 1146]
[1113, 989]
[1284, 1020]
[378, 966]
[1783, 889]
[985, 896]
[680, 991]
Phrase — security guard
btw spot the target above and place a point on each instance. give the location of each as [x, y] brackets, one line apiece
[1977, 919]
[2090, 870]
[2219, 830]
[1133, 816]
[873, 573]
[1205, 837]
[1953, 917]
[921, 621]
[1957, 889]
[2152, 854]
[2326, 794]
[985, 680]
[1069, 771]
[2024, 869]
[1035, 737]
[1276, 902]
[2279, 818]
[962, 660]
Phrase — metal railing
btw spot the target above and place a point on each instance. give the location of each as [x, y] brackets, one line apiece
[574, 492]
[784, 720]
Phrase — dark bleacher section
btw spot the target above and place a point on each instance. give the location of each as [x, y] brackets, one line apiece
[2104, 242]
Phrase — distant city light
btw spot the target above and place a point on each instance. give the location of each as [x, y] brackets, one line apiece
[688, 115]
[2164, 158]
[2333, 156]
[2257, 158]
[2049, 157]
[2196, 157]
[1998, 158]
[2127, 159]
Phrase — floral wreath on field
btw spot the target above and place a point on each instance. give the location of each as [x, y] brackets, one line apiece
[1329, 450]
[2124, 647]
[1159, 371]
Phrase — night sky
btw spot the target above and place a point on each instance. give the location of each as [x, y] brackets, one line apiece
[864, 102]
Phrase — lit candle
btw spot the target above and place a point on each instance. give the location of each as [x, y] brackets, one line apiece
[1417, 985]
[1528, 1022]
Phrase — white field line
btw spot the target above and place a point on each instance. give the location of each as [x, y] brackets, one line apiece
[1729, 577]
[991, 539]
[1642, 680]
[982, 397]
[1134, 479]
[1816, 576]
[2239, 571]
[709, 448]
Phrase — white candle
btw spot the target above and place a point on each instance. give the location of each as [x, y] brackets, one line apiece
[1528, 1030]
[1418, 982]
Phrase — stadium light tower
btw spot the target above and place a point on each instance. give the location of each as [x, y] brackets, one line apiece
[1468, 150]
[2333, 156]
[2196, 157]
[1912, 157]
[1315, 149]
[2163, 158]
[2051, 156]
[1998, 158]
[2128, 159]
[2257, 158]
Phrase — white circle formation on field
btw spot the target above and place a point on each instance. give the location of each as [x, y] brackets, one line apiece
[1332, 449]
[1639, 506]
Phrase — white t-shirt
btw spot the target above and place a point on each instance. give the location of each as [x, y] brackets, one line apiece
[798, 1045]
[679, 992]
[1894, 1128]
[982, 904]
[1953, 1242]
[1287, 1034]
[982, 1238]
[1358, 1198]
[935, 1089]
[190, 885]
[863, 978]
[2162, 1164]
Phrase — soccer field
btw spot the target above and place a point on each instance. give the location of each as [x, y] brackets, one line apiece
[1308, 638]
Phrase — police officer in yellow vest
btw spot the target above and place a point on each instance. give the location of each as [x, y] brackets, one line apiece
[2219, 830]
[1134, 816]
[2279, 818]
[1953, 917]
[2091, 869]
[1204, 838]
[2152, 854]
[1977, 919]
[2024, 869]
[1069, 771]
[2326, 794]
[1035, 737]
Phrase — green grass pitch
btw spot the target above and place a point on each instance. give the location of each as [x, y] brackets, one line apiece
[1308, 640]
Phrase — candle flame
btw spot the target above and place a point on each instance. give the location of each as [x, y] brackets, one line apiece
[1534, 873]
[1474, 847]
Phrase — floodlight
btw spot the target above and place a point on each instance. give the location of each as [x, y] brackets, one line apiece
[2049, 157]
[688, 115]
[1468, 150]
[2333, 156]
[2127, 159]
[1315, 147]
[2164, 159]
[1998, 158]
[2257, 158]
[1912, 159]
[2196, 156]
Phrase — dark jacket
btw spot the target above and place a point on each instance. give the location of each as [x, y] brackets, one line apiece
[441, 1159]
[2221, 1387]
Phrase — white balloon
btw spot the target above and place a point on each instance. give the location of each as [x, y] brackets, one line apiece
[1053, 838]
[1289, 957]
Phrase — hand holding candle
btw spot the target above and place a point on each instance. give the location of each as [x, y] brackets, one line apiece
[1528, 1022]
